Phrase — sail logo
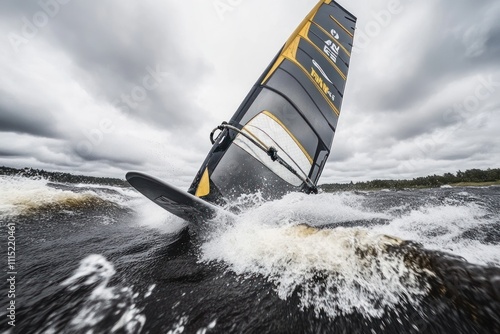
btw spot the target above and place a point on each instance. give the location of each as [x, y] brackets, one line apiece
[335, 34]
[319, 80]
[332, 50]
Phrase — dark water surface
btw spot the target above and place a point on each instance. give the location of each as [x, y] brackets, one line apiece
[96, 259]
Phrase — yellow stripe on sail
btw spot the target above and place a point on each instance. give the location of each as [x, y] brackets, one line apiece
[289, 43]
[204, 185]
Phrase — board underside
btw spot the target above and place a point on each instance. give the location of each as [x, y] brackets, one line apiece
[172, 199]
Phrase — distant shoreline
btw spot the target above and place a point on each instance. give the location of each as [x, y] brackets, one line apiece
[62, 177]
[469, 178]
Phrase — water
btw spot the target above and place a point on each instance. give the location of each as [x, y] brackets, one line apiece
[100, 259]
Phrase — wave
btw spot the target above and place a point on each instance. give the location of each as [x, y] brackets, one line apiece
[337, 271]
[27, 197]
[452, 224]
[340, 254]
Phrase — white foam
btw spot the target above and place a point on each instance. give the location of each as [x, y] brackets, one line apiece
[119, 195]
[345, 269]
[18, 195]
[150, 215]
[337, 271]
[204, 330]
[318, 210]
[96, 270]
[150, 290]
[179, 326]
[440, 227]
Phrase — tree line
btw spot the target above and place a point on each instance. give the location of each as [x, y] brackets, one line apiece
[431, 181]
[62, 177]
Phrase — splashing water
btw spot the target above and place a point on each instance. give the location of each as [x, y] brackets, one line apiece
[103, 304]
[22, 196]
[337, 271]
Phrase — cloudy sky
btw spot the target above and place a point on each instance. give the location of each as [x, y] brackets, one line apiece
[103, 88]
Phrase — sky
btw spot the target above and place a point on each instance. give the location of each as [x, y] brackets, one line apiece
[101, 89]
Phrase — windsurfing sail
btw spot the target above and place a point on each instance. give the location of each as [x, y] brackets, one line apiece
[280, 137]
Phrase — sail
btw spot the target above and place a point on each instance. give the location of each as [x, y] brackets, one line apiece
[280, 137]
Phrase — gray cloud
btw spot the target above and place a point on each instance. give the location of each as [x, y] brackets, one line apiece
[20, 117]
[5, 152]
[443, 53]
[125, 55]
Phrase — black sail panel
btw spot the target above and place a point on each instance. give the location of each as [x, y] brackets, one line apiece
[280, 137]
[303, 94]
